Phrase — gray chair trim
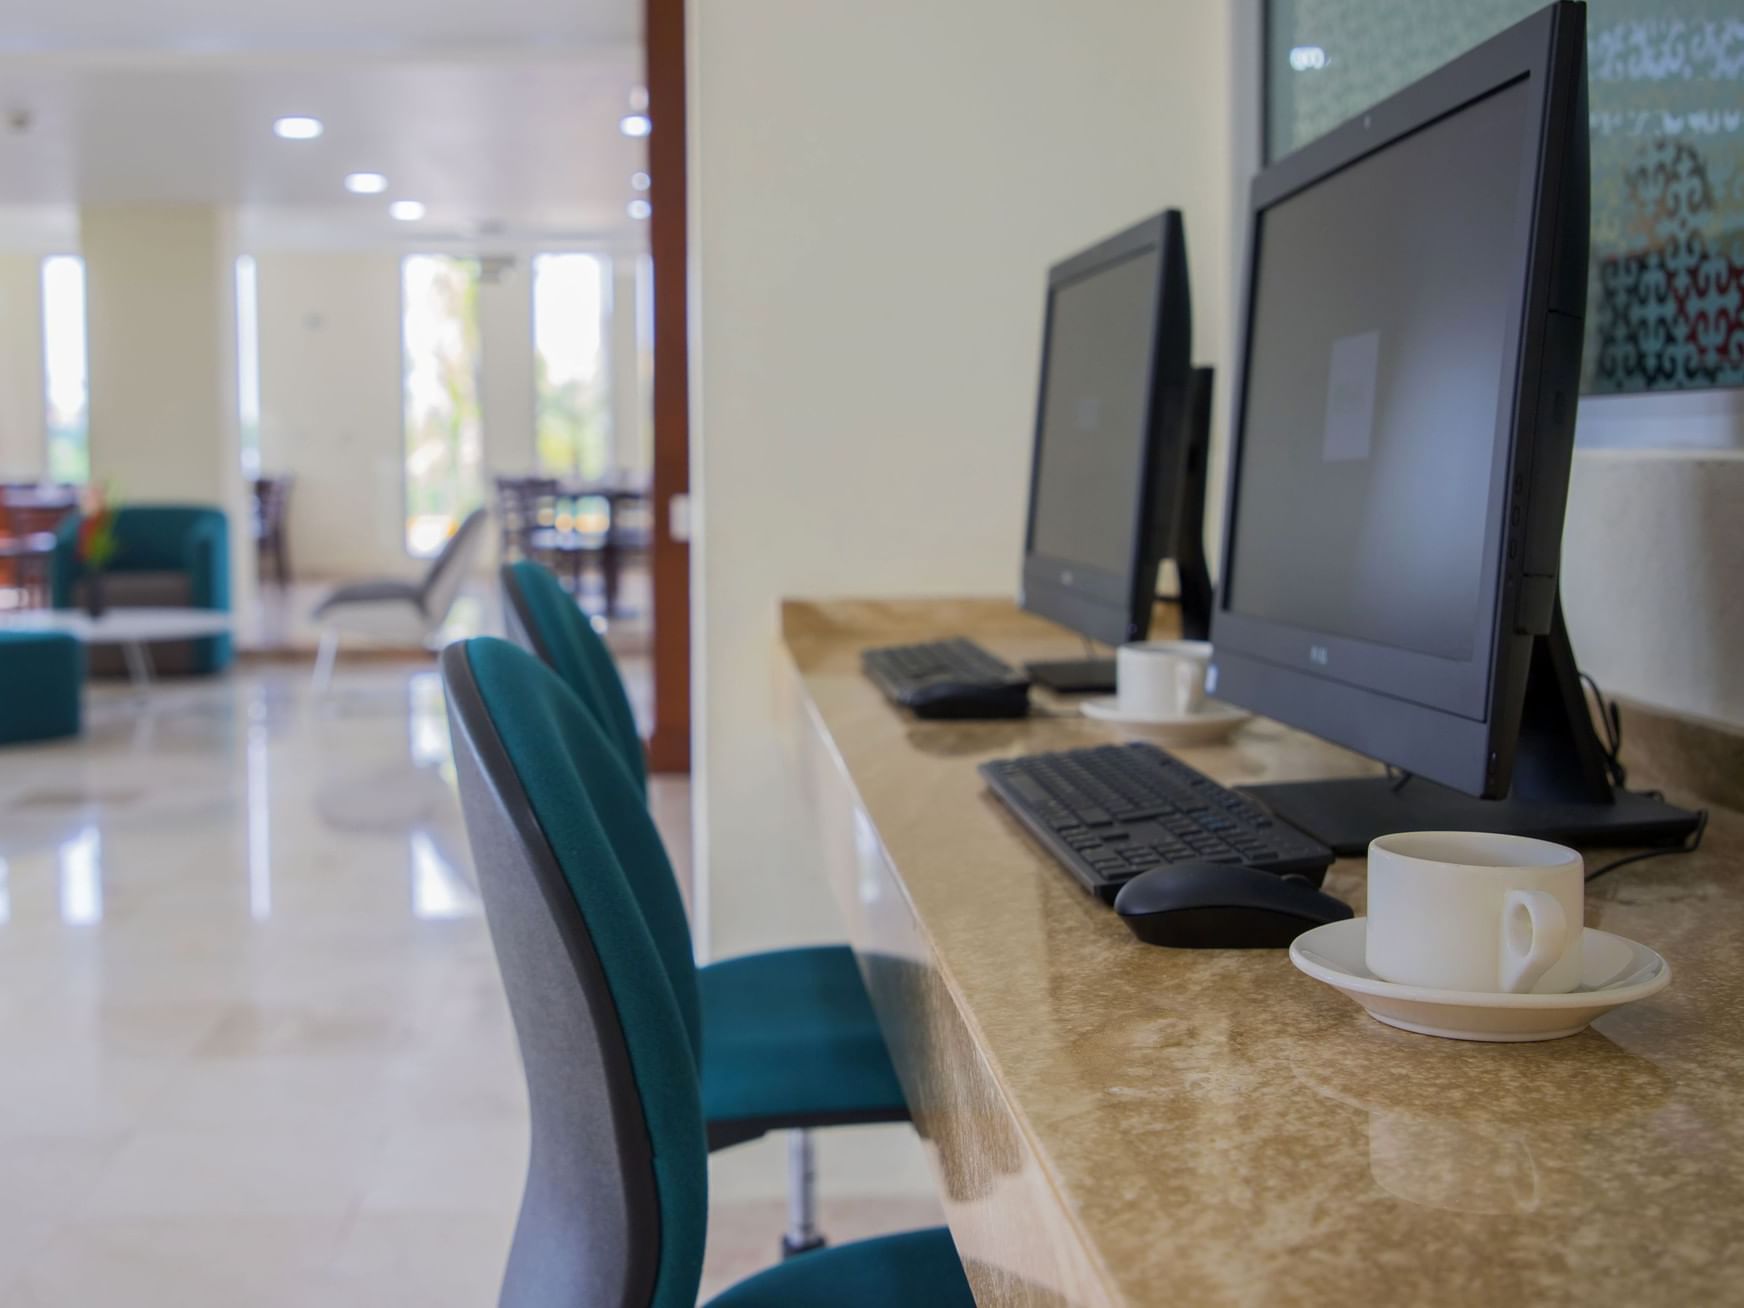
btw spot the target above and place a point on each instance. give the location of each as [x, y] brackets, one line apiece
[453, 553]
[589, 1226]
[518, 618]
[374, 592]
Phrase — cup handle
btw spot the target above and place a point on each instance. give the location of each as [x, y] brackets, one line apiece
[1534, 934]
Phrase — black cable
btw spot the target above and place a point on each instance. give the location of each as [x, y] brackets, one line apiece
[1689, 846]
[1399, 777]
[1612, 718]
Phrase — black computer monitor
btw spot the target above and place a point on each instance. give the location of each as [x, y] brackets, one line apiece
[1404, 424]
[1121, 426]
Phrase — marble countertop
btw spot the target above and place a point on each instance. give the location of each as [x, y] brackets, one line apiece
[1220, 1128]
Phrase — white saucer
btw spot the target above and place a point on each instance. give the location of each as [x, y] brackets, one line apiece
[1614, 972]
[1213, 722]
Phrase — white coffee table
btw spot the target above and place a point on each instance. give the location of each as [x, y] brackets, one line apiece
[134, 630]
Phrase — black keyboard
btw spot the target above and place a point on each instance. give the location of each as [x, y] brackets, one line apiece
[953, 678]
[1112, 811]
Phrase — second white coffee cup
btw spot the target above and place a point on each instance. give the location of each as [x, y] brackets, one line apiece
[1475, 911]
[1160, 679]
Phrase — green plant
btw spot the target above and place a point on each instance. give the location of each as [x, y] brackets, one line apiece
[96, 543]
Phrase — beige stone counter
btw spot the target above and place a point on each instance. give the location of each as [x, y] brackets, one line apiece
[1113, 1123]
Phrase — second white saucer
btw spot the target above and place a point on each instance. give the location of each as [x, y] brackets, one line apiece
[1614, 972]
[1213, 722]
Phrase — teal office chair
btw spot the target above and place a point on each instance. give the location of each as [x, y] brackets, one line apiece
[615, 1207]
[790, 1041]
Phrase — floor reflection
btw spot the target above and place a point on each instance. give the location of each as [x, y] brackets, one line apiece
[438, 891]
[81, 867]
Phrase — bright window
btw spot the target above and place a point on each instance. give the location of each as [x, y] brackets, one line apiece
[1667, 145]
[66, 377]
[444, 434]
[571, 361]
[248, 362]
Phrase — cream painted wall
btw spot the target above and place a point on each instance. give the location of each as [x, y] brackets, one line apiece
[877, 192]
[330, 379]
[22, 451]
[330, 407]
[1652, 556]
[160, 290]
[160, 293]
[505, 312]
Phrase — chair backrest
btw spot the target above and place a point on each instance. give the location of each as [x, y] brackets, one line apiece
[615, 1205]
[545, 621]
[448, 570]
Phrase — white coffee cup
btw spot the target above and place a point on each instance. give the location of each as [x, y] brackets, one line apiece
[1475, 911]
[1156, 679]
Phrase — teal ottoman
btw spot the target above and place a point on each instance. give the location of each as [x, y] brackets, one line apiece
[42, 677]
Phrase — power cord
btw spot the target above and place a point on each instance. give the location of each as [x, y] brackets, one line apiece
[1612, 718]
[1689, 846]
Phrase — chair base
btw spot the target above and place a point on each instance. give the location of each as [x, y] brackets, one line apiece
[802, 1233]
[792, 1250]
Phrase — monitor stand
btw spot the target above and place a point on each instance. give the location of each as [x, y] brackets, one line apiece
[1561, 790]
[1096, 676]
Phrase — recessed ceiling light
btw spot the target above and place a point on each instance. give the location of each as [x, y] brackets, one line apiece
[407, 211]
[365, 183]
[297, 128]
[1307, 58]
[639, 209]
[641, 181]
[635, 125]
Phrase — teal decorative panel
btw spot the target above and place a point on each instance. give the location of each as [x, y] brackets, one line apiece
[1665, 306]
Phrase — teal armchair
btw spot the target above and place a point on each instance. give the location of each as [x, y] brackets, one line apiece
[168, 555]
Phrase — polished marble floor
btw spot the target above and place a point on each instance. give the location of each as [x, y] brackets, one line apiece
[282, 618]
[253, 1048]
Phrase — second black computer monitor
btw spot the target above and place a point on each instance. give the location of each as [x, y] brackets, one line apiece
[1117, 481]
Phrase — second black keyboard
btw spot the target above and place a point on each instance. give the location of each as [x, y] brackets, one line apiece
[1110, 812]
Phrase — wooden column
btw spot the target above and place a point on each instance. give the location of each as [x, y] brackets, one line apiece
[669, 748]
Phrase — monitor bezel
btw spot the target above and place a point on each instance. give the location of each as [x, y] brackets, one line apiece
[1103, 605]
[1453, 721]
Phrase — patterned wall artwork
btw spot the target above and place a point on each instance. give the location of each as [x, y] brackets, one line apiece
[1665, 304]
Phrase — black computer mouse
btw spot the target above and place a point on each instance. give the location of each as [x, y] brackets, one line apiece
[1219, 906]
[941, 700]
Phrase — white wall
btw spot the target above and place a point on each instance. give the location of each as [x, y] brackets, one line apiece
[160, 296]
[1653, 575]
[23, 450]
[506, 374]
[330, 411]
[878, 191]
[331, 403]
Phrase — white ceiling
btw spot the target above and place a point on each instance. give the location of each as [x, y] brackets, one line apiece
[531, 144]
[327, 26]
[502, 117]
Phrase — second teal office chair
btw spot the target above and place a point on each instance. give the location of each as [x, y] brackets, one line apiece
[615, 1208]
[789, 1040]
